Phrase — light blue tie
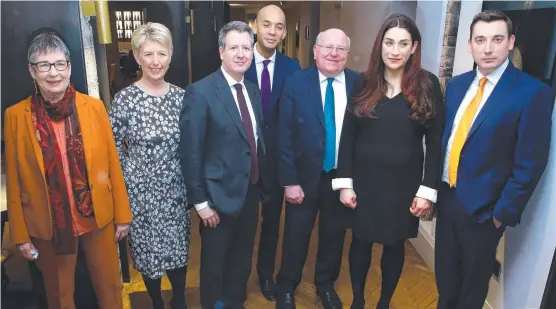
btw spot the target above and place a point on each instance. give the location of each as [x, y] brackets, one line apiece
[330, 129]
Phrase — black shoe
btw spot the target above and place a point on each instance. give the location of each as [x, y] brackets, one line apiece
[159, 304]
[178, 303]
[268, 289]
[330, 300]
[358, 302]
[285, 301]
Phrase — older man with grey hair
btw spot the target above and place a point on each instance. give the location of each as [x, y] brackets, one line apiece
[310, 120]
[223, 162]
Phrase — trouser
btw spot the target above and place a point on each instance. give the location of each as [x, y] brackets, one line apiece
[465, 254]
[227, 254]
[271, 211]
[297, 235]
[101, 255]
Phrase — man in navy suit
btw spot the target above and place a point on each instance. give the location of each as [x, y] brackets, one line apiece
[310, 120]
[269, 70]
[496, 146]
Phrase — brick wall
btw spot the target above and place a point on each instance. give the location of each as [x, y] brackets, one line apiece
[449, 43]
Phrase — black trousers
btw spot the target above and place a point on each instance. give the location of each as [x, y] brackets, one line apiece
[299, 223]
[271, 211]
[465, 254]
[226, 255]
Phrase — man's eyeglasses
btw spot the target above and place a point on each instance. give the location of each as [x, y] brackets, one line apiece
[45, 66]
[328, 49]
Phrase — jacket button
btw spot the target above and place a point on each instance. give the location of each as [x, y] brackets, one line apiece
[246, 175]
[248, 153]
[323, 142]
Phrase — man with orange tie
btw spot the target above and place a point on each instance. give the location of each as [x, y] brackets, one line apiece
[496, 145]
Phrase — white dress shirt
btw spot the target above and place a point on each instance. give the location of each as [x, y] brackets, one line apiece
[259, 65]
[231, 83]
[493, 79]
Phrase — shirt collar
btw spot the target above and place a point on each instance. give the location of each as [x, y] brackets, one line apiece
[259, 58]
[495, 75]
[231, 81]
[340, 77]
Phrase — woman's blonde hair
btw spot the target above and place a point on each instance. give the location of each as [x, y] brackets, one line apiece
[151, 32]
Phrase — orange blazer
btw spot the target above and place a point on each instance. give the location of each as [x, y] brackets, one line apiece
[27, 196]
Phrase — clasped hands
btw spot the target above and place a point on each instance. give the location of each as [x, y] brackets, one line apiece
[419, 208]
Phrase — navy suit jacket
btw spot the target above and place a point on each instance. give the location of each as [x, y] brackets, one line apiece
[507, 147]
[283, 67]
[301, 130]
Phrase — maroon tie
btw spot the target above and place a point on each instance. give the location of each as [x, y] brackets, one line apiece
[248, 126]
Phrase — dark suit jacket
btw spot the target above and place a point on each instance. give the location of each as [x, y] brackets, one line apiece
[301, 131]
[507, 147]
[283, 67]
[215, 154]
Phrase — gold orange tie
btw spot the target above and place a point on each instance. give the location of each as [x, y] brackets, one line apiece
[462, 132]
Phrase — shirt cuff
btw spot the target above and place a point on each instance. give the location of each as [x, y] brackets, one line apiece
[427, 193]
[342, 183]
[201, 206]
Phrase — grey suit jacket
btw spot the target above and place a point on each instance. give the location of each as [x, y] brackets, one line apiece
[215, 155]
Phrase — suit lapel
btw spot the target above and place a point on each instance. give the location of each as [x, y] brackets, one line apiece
[257, 110]
[499, 93]
[277, 79]
[251, 73]
[224, 94]
[33, 135]
[255, 104]
[350, 81]
[82, 106]
[315, 94]
[457, 96]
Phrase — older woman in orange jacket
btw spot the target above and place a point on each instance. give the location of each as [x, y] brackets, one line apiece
[64, 182]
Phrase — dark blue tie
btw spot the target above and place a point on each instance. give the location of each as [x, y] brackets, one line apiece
[330, 129]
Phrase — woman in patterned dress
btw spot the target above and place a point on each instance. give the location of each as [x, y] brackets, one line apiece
[145, 118]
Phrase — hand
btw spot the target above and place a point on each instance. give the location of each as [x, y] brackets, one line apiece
[497, 223]
[420, 207]
[122, 229]
[348, 198]
[294, 194]
[27, 250]
[209, 216]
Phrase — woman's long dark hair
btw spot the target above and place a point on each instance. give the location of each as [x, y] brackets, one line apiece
[416, 84]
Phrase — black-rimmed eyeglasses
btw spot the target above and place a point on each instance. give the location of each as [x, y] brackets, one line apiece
[45, 66]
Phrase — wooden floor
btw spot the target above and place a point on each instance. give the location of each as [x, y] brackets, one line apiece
[416, 290]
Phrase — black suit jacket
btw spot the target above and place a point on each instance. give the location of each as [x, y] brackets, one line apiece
[215, 155]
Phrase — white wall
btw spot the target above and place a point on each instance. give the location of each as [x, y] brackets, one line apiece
[360, 21]
[429, 15]
[463, 61]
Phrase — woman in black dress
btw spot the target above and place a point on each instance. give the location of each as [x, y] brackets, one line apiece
[380, 167]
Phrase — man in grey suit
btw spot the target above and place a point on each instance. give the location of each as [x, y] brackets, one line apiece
[223, 160]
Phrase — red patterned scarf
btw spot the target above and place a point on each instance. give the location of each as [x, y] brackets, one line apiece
[43, 113]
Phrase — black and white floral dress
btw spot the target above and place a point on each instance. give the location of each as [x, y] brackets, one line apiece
[159, 234]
